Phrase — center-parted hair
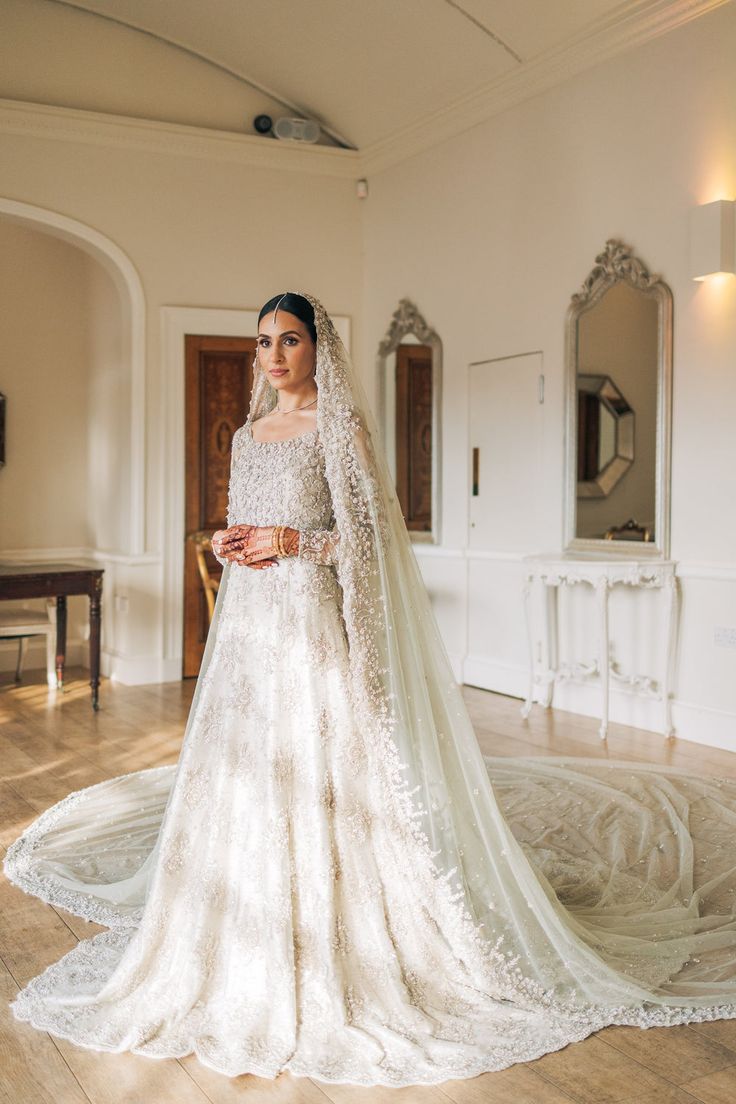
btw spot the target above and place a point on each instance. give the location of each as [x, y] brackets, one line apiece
[294, 304]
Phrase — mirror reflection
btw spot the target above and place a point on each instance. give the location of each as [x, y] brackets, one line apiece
[409, 425]
[605, 436]
[616, 402]
[409, 373]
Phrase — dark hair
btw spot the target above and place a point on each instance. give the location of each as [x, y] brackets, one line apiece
[293, 304]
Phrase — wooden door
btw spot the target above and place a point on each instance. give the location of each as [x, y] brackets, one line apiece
[414, 435]
[219, 376]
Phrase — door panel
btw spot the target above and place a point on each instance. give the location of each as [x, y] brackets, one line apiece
[506, 431]
[218, 385]
[506, 428]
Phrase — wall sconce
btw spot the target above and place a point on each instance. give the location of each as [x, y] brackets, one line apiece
[713, 239]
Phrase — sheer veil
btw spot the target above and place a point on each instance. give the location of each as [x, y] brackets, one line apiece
[646, 937]
[436, 783]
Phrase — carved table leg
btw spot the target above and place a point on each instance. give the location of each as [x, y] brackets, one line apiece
[60, 639]
[95, 606]
[527, 706]
[603, 650]
[670, 593]
[551, 621]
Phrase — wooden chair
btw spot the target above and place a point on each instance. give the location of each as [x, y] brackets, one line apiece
[202, 541]
[631, 530]
[18, 623]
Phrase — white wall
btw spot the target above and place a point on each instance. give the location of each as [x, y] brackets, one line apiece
[66, 379]
[490, 234]
[44, 486]
[109, 401]
[208, 222]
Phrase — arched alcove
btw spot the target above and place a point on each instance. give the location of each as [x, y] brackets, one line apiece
[130, 291]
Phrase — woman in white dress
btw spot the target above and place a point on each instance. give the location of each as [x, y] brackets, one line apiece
[332, 881]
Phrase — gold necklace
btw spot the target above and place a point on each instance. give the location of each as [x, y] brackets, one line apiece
[291, 411]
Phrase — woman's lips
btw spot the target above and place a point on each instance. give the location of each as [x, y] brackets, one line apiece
[278, 371]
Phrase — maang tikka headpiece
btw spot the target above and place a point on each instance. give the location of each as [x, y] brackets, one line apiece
[276, 308]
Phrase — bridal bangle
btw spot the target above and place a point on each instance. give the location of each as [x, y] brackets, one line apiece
[277, 541]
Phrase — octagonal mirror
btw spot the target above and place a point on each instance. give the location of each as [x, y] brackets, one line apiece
[605, 436]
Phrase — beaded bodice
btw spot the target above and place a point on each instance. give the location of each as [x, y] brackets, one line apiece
[279, 482]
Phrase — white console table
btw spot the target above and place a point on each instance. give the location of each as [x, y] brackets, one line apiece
[602, 573]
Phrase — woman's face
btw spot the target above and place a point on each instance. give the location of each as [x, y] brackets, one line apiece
[286, 351]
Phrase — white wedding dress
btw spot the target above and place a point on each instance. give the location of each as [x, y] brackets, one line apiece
[273, 903]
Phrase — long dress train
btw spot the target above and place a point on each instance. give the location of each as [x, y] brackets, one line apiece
[272, 903]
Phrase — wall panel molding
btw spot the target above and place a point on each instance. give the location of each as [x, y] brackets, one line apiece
[175, 139]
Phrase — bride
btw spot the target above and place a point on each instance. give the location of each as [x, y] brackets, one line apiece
[332, 880]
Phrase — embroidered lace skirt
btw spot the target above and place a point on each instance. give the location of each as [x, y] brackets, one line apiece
[265, 906]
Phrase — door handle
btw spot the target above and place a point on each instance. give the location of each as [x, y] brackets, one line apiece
[476, 468]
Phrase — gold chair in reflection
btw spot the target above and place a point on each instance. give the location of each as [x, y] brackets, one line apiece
[630, 530]
[202, 541]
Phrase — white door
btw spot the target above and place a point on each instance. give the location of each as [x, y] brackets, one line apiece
[506, 427]
[506, 450]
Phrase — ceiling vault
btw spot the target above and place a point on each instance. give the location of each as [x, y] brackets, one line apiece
[486, 30]
[297, 109]
[397, 78]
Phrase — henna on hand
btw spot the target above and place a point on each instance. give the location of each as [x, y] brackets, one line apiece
[247, 545]
[291, 541]
[253, 545]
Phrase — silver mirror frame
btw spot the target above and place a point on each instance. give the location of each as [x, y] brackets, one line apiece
[407, 319]
[618, 263]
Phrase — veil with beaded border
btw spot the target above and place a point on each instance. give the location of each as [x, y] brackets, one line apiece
[658, 957]
[414, 716]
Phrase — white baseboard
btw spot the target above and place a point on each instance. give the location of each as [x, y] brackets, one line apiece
[77, 654]
[456, 662]
[128, 670]
[699, 724]
[624, 706]
[493, 674]
[696, 723]
[702, 725]
[140, 670]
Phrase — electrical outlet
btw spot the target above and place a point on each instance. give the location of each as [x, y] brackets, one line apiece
[121, 603]
[724, 637]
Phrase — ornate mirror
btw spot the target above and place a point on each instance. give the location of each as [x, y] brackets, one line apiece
[619, 393]
[410, 377]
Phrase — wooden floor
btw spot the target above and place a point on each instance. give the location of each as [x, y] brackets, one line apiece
[52, 745]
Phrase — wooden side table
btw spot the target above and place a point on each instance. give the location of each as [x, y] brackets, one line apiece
[44, 580]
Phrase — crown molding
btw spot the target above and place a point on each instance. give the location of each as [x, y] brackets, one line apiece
[124, 132]
[627, 26]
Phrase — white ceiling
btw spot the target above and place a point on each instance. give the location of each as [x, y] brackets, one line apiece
[370, 70]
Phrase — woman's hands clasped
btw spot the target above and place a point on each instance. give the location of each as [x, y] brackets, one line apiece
[253, 545]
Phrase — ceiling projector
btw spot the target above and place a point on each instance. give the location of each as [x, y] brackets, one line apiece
[288, 129]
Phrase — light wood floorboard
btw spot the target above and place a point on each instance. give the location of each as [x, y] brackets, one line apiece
[51, 744]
